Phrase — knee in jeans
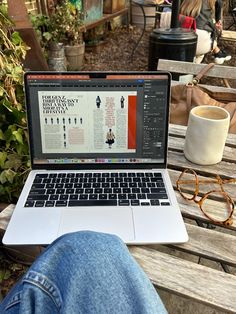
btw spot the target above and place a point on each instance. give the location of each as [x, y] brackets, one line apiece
[86, 238]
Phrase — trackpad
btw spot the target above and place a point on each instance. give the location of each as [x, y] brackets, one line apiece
[117, 221]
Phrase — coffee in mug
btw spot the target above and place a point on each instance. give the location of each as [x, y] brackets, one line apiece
[206, 134]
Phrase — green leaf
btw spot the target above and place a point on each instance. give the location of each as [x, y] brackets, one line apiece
[4, 274]
[47, 36]
[13, 162]
[3, 157]
[16, 39]
[2, 91]
[2, 137]
[7, 175]
[18, 136]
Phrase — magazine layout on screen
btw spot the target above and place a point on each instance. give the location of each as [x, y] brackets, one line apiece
[94, 122]
[115, 119]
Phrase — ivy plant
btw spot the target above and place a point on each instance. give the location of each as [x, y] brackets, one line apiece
[14, 150]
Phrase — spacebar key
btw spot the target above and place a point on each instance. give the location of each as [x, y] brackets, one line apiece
[92, 203]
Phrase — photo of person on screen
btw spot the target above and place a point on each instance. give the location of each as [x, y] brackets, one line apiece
[98, 102]
[110, 138]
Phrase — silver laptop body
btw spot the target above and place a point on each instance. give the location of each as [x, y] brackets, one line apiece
[98, 144]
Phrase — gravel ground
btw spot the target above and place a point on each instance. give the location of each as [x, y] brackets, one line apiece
[115, 53]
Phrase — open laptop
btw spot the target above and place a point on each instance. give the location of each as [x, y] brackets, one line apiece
[98, 144]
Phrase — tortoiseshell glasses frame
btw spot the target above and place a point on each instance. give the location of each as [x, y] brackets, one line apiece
[181, 182]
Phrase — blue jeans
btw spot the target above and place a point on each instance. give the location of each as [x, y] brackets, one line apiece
[84, 272]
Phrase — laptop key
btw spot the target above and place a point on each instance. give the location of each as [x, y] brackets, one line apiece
[93, 203]
[83, 196]
[141, 196]
[61, 203]
[88, 191]
[156, 196]
[135, 202]
[37, 186]
[122, 196]
[50, 186]
[64, 197]
[50, 191]
[52, 175]
[54, 197]
[123, 202]
[49, 203]
[73, 197]
[68, 185]
[93, 196]
[61, 175]
[113, 196]
[38, 180]
[158, 190]
[32, 197]
[70, 191]
[41, 175]
[154, 202]
[98, 190]
[132, 196]
[29, 204]
[79, 191]
[126, 190]
[60, 191]
[39, 204]
[142, 185]
[102, 196]
[37, 191]
[59, 185]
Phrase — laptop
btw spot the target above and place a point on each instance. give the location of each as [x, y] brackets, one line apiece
[98, 144]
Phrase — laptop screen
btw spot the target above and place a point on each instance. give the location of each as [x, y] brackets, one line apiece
[87, 119]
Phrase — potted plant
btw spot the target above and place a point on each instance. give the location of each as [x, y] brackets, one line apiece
[74, 41]
[67, 27]
[50, 37]
[14, 150]
[62, 30]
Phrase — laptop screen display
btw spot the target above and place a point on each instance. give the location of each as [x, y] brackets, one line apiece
[97, 118]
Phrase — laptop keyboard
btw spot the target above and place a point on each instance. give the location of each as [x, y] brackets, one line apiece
[97, 189]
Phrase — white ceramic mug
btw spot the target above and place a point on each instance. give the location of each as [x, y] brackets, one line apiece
[206, 134]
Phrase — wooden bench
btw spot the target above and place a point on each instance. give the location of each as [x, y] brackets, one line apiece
[228, 35]
[225, 73]
[175, 268]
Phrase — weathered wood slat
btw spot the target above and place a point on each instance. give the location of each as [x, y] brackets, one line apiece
[193, 68]
[212, 88]
[224, 168]
[210, 244]
[180, 130]
[175, 143]
[188, 279]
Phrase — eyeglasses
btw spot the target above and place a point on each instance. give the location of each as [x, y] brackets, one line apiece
[189, 181]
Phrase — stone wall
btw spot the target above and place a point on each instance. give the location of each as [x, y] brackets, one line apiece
[31, 6]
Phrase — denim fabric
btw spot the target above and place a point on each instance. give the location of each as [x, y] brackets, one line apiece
[84, 272]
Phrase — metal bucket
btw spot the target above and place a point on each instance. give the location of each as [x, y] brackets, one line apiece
[56, 57]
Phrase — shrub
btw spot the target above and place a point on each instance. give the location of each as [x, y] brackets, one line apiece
[14, 151]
